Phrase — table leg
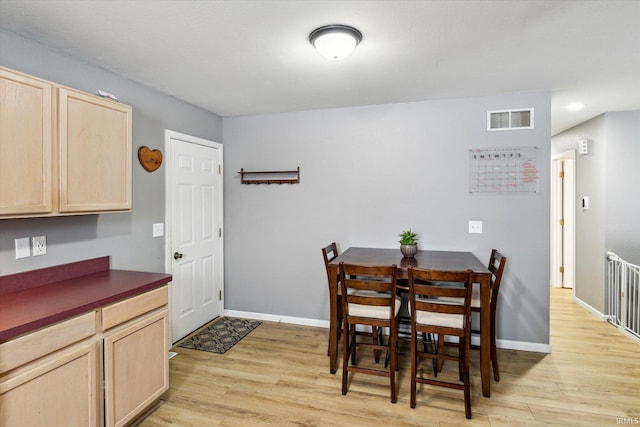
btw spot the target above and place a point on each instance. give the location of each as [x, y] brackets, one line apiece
[485, 334]
[333, 319]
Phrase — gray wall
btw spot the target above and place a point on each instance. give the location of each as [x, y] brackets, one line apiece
[609, 175]
[622, 231]
[590, 179]
[127, 237]
[367, 173]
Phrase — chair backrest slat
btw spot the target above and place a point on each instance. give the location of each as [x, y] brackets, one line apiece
[423, 293]
[368, 285]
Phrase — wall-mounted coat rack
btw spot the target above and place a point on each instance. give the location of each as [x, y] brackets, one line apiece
[270, 177]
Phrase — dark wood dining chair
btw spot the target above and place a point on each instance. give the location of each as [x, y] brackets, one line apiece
[431, 314]
[497, 263]
[329, 253]
[369, 299]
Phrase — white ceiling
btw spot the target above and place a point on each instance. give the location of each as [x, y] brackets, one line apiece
[253, 57]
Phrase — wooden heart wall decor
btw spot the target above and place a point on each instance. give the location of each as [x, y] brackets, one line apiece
[149, 159]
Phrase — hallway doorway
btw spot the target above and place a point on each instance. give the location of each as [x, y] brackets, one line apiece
[563, 206]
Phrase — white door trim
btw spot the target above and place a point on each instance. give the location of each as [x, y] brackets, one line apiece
[168, 262]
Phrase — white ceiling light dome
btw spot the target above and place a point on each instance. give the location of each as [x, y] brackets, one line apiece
[335, 41]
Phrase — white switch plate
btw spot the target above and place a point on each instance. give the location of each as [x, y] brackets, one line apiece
[39, 245]
[475, 227]
[585, 203]
[158, 229]
[23, 250]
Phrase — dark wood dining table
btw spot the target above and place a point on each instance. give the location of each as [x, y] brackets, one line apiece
[436, 260]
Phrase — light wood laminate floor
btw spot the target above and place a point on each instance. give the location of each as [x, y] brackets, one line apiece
[279, 376]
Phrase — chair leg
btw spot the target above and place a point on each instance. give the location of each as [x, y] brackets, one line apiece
[429, 344]
[461, 359]
[346, 349]
[393, 366]
[338, 326]
[397, 349]
[466, 380]
[414, 362]
[352, 343]
[467, 396]
[338, 335]
[439, 350]
[494, 350]
[376, 336]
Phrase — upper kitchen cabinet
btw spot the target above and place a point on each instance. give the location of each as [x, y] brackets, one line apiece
[62, 151]
[26, 144]
[95, 153]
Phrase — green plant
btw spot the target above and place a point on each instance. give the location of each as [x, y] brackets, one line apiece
[408, 237]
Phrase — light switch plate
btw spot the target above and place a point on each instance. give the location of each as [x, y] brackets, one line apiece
[39, 245]
[158, 229]
[23, 250]
[475, 227]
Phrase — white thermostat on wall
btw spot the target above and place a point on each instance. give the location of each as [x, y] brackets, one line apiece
[584, 146]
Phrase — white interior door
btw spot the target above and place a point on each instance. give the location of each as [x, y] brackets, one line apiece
[194, 244]
[563, 220]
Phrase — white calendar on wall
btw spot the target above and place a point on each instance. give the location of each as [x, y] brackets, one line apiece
[504, 170]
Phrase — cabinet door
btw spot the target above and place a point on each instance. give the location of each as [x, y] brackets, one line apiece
[26, 138]
[57, 391]
[136, 367]
[95, 153]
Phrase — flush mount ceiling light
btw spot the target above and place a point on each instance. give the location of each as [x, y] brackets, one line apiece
[335, 41]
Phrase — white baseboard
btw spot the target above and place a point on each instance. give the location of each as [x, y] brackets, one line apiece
[524, 346]
[592, 310]
[277, 318]
[508, 344]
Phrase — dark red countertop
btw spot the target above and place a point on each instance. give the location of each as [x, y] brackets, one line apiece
[28, 303]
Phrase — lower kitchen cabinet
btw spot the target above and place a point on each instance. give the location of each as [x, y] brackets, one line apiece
[58, 391]
[55, 376]
[53, 384]
[136, 364]
[136, 368]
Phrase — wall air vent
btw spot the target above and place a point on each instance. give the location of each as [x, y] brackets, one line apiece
[510, 119]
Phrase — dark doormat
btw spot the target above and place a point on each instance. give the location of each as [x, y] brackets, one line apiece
[221, 335]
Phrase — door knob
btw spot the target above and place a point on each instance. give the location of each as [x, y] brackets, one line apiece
[177, 255]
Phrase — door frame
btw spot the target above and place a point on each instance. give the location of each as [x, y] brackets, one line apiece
[168, 260]
[557, 200]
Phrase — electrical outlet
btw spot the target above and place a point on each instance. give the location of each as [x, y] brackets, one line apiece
[39, 245]
[475, 227]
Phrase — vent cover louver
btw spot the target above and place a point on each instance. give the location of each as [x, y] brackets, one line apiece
[510, 119]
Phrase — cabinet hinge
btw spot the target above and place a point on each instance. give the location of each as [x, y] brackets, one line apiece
[561, 269]
[561, 174]
[220, 296]
[562, 222]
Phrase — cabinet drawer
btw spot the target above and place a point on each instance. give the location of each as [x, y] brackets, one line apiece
[29, 347]
[133, 307]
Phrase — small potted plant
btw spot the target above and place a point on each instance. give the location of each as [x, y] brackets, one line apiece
[408, 243]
